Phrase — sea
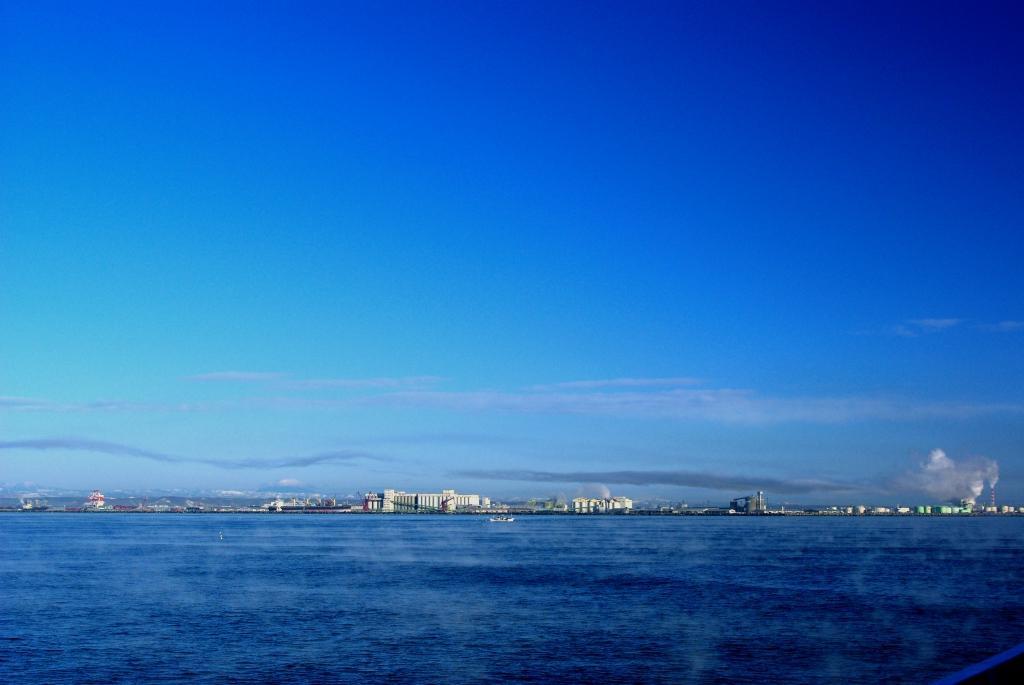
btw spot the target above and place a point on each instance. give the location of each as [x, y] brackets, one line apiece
[208, 598]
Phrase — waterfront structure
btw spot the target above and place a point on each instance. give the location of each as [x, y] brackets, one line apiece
[592, 505]
[307, 504]
[446, 501]
[96, 500]
[751, 504]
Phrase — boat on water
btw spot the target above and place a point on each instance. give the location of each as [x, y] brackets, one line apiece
[502, 518]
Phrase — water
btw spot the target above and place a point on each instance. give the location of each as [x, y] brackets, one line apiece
[95, 598]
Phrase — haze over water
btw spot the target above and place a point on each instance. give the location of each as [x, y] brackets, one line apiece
[421, 599]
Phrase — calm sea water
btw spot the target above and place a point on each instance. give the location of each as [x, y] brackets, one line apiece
[456, 599]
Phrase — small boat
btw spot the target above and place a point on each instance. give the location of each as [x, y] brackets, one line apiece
[222, 535]
[502, 518]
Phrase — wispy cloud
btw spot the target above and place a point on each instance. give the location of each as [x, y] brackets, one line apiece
[239, 376]
[912, 328]
[619, 383]
[1003, 327]
[380, 382]
[474, 439]
[935, 324]
[122, 450]
[725, 406]
[693, 479]
[722, 405]
[21, 403]
[333, 457]
[366, 383]
[90, 446]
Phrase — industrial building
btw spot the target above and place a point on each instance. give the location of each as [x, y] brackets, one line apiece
[751, 504]
[447, 501]
[591, 505]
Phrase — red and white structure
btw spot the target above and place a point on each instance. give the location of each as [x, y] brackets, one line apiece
[96, 500]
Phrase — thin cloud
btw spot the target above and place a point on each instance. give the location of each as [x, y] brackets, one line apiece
[724, 406]
[442, 439]
[733, 406]
[619, 383]
[912, 328]
[693, 479]
[107, 406]
[333, 457]
[382, 382]
[21, 403]
[935, 324]
[1003, 327]
[122, 450]
[366, 383]
[239, 376]
[81, 444]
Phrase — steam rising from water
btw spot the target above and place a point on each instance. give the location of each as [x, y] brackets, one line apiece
[946, 478]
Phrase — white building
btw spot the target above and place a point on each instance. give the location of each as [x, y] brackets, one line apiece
[591, 505]
[401, 501]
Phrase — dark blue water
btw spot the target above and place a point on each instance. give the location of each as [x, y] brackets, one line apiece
[423, 599]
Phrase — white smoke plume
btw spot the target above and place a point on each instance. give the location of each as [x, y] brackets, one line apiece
[947, 479]
[598, 490]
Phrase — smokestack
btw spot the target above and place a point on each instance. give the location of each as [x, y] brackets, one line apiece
[992, 494]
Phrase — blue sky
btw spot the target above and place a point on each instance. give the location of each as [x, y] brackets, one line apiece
[511, 247]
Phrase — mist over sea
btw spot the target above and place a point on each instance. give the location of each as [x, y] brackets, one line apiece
[456, 599]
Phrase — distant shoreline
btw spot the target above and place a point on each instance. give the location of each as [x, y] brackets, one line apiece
[631, 514]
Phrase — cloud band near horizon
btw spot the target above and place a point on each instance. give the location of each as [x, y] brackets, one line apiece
[693, 479]
[122, 450]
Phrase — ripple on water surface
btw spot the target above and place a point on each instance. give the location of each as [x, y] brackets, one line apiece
[115, 598]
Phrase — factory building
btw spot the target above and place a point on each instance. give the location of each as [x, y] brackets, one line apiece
[391, 501]
[751, 504]
[591, 505]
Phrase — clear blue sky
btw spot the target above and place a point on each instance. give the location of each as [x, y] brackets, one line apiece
[432, 244]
